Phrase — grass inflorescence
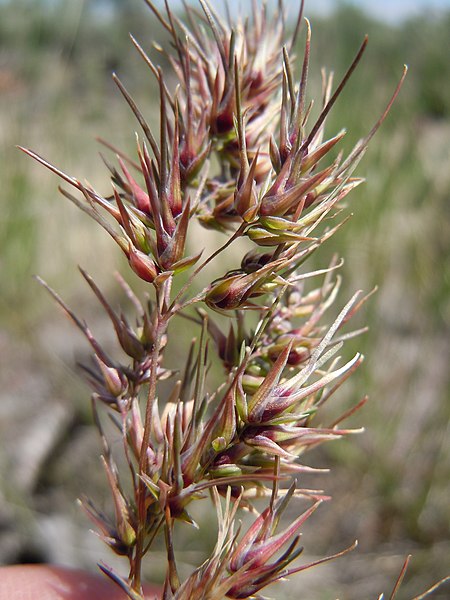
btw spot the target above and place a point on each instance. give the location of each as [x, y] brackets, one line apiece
[241, 150]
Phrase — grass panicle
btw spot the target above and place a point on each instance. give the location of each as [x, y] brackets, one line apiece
[238, 151]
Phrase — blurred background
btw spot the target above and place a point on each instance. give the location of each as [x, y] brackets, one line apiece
[390, 486]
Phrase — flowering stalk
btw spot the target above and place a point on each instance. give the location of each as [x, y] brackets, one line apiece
[279, 187]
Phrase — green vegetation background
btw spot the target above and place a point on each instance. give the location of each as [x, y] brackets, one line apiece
[390, 485]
